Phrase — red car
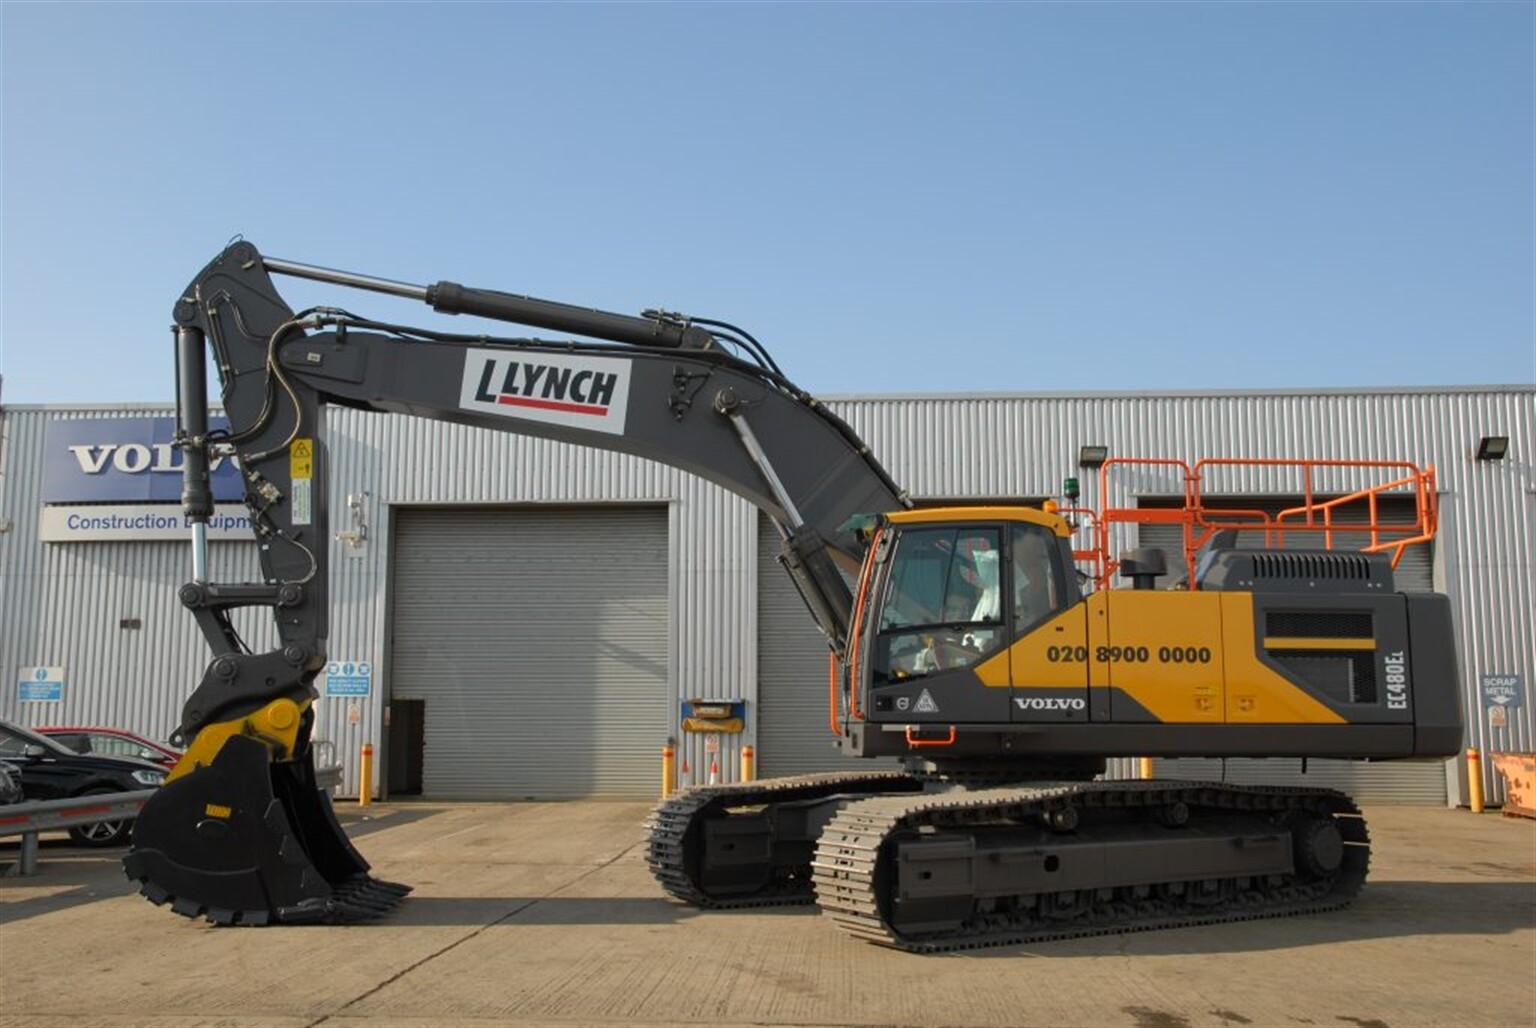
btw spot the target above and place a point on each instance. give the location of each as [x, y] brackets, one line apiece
[112, 742]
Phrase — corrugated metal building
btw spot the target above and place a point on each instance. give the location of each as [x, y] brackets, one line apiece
[524, 618]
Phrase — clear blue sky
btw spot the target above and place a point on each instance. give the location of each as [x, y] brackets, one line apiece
[893, 197]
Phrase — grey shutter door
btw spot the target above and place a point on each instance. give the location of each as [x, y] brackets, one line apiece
[1385, 782]
[538, 641]
[793, 731]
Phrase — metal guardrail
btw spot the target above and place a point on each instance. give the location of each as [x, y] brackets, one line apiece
[30, 818]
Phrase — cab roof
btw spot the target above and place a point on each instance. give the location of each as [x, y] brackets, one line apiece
[1031, 515]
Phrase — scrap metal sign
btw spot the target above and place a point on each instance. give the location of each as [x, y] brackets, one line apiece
[1505, 691]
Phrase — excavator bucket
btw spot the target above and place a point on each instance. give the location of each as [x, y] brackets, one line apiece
[251, 840]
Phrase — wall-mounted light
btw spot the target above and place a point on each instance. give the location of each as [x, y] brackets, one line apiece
[1493, 447]
[1092, 456]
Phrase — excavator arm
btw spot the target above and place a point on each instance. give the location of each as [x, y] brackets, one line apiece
[240, 833]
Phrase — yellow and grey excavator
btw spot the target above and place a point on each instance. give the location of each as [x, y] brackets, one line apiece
[962, 639]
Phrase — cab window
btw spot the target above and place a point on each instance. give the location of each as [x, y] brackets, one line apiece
[1038, 590]
[943, 602]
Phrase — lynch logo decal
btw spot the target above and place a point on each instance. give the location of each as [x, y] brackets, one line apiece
[577, 392]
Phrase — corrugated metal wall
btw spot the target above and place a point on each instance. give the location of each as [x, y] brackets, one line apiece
[71, 597]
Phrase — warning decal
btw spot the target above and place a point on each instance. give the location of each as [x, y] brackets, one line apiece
[301, 459]
[925, 704]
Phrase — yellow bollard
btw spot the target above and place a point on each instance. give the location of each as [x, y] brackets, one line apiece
[668, 766]
[1474, 782]
[748, 764]
[1145, 769]
[365, 776]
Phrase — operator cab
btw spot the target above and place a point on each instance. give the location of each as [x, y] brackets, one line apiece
[954, 587]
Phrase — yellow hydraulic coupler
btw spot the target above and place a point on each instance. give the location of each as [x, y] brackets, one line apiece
[276, 725]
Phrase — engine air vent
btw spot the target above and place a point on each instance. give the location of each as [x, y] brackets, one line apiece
[1321, 571]
[1336, 566]
[1319, 624]
[1341, 677]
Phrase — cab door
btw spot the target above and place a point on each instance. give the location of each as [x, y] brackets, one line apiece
[940, 627]
[1049, 656]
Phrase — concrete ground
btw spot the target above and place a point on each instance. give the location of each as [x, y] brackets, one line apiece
[543, 913]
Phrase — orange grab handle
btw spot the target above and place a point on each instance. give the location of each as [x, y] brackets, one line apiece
[913, 740]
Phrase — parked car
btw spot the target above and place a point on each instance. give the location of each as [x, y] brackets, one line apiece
[49, 770]
[111, 742]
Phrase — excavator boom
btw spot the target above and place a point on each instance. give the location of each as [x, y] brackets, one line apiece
[239, 832]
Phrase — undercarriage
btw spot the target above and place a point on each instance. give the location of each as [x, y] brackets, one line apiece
[928, 867]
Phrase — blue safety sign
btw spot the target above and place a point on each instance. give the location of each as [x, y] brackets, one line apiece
[348, 678]
[40, 684]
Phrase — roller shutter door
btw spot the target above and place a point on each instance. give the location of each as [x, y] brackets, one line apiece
[1387, 782]
[793, 736]
[537, 641]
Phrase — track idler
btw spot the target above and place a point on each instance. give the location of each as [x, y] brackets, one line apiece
[247, 839]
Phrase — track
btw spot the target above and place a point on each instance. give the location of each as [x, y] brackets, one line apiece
[676, 849]
[856, 881]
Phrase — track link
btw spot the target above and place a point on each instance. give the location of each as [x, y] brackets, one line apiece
[674, 851]
[853, 877]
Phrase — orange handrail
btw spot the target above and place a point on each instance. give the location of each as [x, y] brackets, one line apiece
[1200, 521]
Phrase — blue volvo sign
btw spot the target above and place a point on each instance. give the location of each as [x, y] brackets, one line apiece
[123, 460]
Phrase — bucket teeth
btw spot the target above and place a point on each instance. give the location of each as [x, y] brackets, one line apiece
[360, 899]
[354, 901]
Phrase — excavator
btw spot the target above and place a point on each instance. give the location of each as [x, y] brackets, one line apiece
[964, 640]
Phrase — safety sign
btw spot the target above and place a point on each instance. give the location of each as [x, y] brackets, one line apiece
[1505, 690]
[348, 678]
[40, 684]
